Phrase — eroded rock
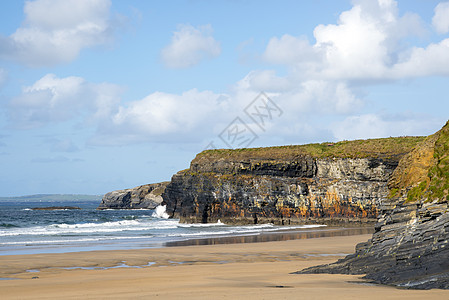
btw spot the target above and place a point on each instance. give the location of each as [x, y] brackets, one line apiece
[410, 245]
[147, 196]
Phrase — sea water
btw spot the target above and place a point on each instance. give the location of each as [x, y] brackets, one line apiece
[27, 231]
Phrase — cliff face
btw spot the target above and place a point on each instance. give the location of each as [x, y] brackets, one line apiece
[147, 196]
[410, 245]
[322, 183]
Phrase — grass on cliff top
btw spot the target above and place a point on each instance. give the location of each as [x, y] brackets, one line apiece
[423, 174]
[436, 186]
[377, 148]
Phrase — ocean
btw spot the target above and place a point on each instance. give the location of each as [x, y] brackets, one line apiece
[27, 231]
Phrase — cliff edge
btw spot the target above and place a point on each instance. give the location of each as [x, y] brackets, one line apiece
[329, 183]
[410, 245]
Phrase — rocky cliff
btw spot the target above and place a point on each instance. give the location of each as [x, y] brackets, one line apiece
[323, 183]
[147, 196]
[410, 245]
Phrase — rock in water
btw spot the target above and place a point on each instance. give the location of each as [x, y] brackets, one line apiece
[410, 245]
[316, 183]
[147, 196]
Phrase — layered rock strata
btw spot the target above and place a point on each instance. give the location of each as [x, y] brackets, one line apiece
[147, 196]
[319, 183]
[410, 245]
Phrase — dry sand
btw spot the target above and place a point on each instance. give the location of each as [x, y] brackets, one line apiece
[232, 271]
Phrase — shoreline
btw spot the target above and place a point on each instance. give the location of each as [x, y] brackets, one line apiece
[260, 240]
[140, 242]
[275, 236]
[233, 271]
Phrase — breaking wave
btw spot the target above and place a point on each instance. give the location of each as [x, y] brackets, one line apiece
[160, 212]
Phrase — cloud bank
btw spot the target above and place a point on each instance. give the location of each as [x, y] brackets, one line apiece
[56, 31]
[324, 80]
[54, 100]
[376, 126]
[440, 20]
[162, 117]
[367, 43]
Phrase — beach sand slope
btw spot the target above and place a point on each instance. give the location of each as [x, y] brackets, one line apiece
[233, 271]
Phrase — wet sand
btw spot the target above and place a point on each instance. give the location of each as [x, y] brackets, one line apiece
[219, 271]
[281, 235]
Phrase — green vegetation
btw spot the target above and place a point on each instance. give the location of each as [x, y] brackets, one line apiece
[439, 172]
[434, 184]
[416, 192]
[378, 148]
[393, 193]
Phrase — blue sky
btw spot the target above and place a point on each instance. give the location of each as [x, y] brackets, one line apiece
[102, 95]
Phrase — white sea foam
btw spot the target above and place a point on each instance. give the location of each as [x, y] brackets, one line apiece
[114, 229]
[201, 225]
[143, 225]
[86, 228]
[160, 212]
[80, 240]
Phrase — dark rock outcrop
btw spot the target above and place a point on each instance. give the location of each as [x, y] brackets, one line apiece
[147, 196]
[410, 245]
[318, 183]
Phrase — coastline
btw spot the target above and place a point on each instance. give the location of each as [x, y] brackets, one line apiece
[275, 236]
[129, 231]
[236, 271]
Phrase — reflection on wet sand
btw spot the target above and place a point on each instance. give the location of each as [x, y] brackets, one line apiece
[275, 236]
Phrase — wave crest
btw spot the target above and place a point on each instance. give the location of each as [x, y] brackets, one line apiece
[160, 212]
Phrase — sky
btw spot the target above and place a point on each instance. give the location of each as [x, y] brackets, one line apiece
[100, 95]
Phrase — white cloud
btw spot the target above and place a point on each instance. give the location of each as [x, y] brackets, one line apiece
[364, 126]
[56, 31]
[440, 20]
[366, 44]
[162, 116]
[189, 46]
[378, 126]
[289, 49]
[53, 99]
[307, 107]
[299, 97]
[330, 97]
[355, 46]
[266, 80]
[157, 117]
[432, 60]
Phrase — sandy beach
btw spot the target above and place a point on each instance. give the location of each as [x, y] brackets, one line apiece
[223, 271]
